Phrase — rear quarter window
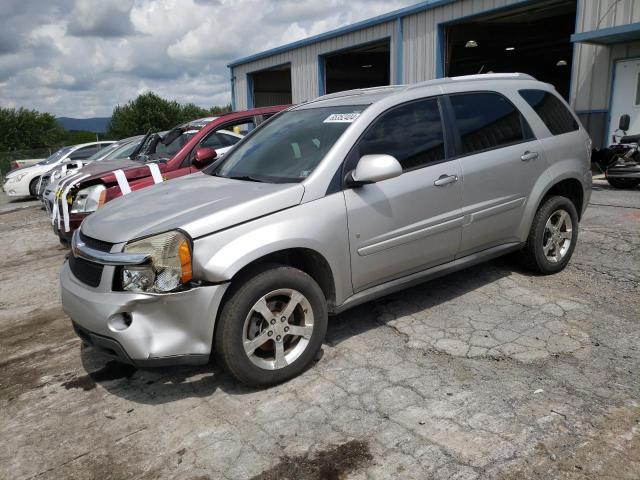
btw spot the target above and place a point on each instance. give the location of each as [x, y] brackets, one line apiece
[551, 111]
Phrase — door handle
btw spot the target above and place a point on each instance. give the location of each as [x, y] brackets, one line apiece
[526, 156]
[445, 180]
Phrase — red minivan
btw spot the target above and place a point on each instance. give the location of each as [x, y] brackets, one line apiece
[86, 193]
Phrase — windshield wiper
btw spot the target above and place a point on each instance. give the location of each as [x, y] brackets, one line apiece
[247, 178]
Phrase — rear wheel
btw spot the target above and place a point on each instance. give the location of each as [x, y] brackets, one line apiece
[623, 182]
[33, 185]
[553, 236]
[271, 327]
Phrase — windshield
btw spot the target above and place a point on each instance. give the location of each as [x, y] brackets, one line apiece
[154, 150]
[56, 156]
[124, 151]
[290, 147]
[101, 153]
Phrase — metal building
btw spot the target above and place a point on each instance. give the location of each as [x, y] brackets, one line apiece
[589, 49]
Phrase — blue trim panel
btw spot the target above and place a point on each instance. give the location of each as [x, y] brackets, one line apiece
[399, 51]
[609, 36]
[387, 17]
[321, 77]
[233, 92]
[249, 91]
[440, 51]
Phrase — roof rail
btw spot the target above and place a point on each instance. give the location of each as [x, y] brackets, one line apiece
[358, 91]
[477, 77]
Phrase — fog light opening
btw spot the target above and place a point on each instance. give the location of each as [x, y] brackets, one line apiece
[120, 321]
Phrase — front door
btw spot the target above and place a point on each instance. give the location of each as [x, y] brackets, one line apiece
[408, 223]
[626, 96]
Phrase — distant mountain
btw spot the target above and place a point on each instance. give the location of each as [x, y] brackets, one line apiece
[98, 124]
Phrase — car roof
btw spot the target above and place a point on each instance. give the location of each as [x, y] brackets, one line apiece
[368, 96]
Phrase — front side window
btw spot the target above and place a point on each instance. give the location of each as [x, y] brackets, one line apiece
[487, 120]
[551, 111]
[412, 133]
[289, 147]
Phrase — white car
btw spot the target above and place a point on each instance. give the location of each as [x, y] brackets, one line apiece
[24, 181]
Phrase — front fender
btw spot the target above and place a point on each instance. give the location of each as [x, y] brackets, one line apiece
[320, 225]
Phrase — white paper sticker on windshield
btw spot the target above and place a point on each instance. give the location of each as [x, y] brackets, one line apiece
[341, 117]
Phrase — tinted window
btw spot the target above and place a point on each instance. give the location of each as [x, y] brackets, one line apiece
[487, 120]
[412, 133]
[551, 110]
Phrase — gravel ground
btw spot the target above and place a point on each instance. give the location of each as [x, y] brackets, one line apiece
[487, 373]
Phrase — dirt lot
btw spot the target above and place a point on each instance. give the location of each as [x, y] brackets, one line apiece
[488, 373]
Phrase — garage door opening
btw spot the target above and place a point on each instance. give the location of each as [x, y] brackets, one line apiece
[360, 67]
[272, 86]
[533, 39]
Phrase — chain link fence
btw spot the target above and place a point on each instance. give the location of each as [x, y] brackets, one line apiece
[7, 157]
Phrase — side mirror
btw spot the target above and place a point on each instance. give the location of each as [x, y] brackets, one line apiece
[204, 156]
[625, 120]
[374, 168]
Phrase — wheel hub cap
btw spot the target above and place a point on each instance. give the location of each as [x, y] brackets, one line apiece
[558, 235]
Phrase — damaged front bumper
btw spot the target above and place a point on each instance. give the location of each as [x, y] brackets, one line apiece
[139, 328]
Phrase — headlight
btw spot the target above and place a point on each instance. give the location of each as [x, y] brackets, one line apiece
[169, 268]
[89, 199]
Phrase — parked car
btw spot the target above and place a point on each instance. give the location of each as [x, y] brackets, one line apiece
[23, 181]
[328, 205]
[180, 151]
[114, 157]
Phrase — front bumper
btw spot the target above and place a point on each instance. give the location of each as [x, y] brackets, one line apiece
[164, 329]
[15, 189]
[75, 220]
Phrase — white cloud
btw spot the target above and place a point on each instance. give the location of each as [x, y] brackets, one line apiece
[81, 58]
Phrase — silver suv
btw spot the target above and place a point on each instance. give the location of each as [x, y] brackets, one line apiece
[325, 206]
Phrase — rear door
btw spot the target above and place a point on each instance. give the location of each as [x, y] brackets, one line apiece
[405, 224]
[500, 160]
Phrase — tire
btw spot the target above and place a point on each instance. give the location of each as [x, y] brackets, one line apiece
[33, 184]
[623, 182]
[240, 324]
[545, 253]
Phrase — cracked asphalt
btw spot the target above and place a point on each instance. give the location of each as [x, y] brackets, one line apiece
[487, 373]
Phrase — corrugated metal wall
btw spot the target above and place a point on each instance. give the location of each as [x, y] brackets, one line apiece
[420, 35]
[304, 62]
[591, 71]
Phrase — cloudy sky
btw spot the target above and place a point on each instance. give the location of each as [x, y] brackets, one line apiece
[80, 58]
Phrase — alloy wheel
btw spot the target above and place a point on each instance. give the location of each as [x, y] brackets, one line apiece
[558, 234]
[277, 329]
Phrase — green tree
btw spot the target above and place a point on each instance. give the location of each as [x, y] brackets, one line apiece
[150, 111]
[147, 111]
[23, 129]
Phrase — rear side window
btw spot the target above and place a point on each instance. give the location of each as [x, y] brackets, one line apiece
[551, 111]
[412, 133]
[487, 120]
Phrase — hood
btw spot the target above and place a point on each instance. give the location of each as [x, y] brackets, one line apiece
[99, 168]
[199, 204]
[16, 171]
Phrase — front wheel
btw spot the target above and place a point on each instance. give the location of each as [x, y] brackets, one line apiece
[623, 182]
[33, 186]
[271, 327]
[553, 236]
